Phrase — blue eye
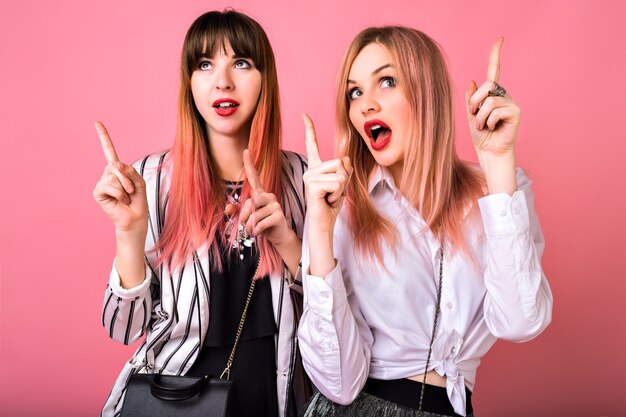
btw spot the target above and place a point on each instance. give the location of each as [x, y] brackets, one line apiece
[204, 65]
[388, 82]
[354, 93]
[243, 64]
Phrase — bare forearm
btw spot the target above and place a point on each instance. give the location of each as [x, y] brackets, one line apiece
[290, 252]
[321, 254]
[129, 258]
[499, 172]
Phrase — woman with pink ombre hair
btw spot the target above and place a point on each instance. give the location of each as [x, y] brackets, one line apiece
[432, 259]
[212, 228]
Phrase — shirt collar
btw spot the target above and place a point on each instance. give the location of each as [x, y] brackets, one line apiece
[381, 177]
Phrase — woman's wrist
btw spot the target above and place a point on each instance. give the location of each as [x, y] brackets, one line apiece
[131, 235]
[129, 258]
[290, 250]
[499, 172]
[321, 255]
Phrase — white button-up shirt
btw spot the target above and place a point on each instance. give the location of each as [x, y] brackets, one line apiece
[367, 319]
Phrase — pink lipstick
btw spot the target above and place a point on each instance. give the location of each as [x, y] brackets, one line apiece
[379, 134]
[225, 106]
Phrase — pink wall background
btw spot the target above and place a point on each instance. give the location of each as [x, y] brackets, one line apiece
[66, 64]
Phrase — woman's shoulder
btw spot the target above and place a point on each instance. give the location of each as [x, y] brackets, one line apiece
[150, 164]
[294, 166]
[155, 170]
[296, 162]
[151, 161]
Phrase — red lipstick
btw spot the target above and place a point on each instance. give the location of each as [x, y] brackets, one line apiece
[379, 134]
[225, 106]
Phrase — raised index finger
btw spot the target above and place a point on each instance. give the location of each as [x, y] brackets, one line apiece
[493, 69]
[107, 144]
[252, 174]
[312, 149]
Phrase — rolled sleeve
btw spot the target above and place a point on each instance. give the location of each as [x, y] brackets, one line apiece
[131, 293]
[125, 312]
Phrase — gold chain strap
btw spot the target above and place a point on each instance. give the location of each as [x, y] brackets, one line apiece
[226, 372]
[420, 413]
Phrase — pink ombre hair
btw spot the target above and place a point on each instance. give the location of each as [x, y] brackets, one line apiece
[434, 180]
[197, 196]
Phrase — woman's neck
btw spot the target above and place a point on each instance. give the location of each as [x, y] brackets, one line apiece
[227, 153]
[396, 173]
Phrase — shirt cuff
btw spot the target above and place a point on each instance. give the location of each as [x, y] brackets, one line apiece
[502, 213]
[322, 292]
[131, 293]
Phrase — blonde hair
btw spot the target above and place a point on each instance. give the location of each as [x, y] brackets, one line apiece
[434, 180]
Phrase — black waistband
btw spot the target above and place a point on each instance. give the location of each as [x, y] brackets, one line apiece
[406, 392]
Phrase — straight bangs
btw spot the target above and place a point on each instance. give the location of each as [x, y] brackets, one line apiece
[194, 216]
[209, 33]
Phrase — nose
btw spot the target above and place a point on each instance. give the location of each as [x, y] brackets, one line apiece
[369, 104]
[224, 80]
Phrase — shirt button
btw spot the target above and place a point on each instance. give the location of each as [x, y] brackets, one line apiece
[521, 267]
[449, 305]
[502, 213]
[324, 294]
[517, 210]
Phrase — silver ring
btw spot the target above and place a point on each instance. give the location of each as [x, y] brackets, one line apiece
[497, 90]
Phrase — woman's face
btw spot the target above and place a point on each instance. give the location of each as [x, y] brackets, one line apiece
[226, 91]
[379, 110]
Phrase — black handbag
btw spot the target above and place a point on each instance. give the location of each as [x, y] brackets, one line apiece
[158, 395]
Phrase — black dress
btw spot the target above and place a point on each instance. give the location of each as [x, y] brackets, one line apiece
[254, 368]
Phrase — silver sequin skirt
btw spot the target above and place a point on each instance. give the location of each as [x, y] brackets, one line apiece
[365, 405]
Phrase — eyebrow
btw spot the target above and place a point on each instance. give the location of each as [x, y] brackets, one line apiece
[376, 71]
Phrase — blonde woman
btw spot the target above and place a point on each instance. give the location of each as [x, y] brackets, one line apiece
[431, 259]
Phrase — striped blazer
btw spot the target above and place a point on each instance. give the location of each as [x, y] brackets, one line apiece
[171, 307]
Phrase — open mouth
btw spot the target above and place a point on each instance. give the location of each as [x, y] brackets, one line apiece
[377, 130]
[379, 134]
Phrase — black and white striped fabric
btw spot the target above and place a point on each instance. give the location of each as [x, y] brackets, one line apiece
[171, 307]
